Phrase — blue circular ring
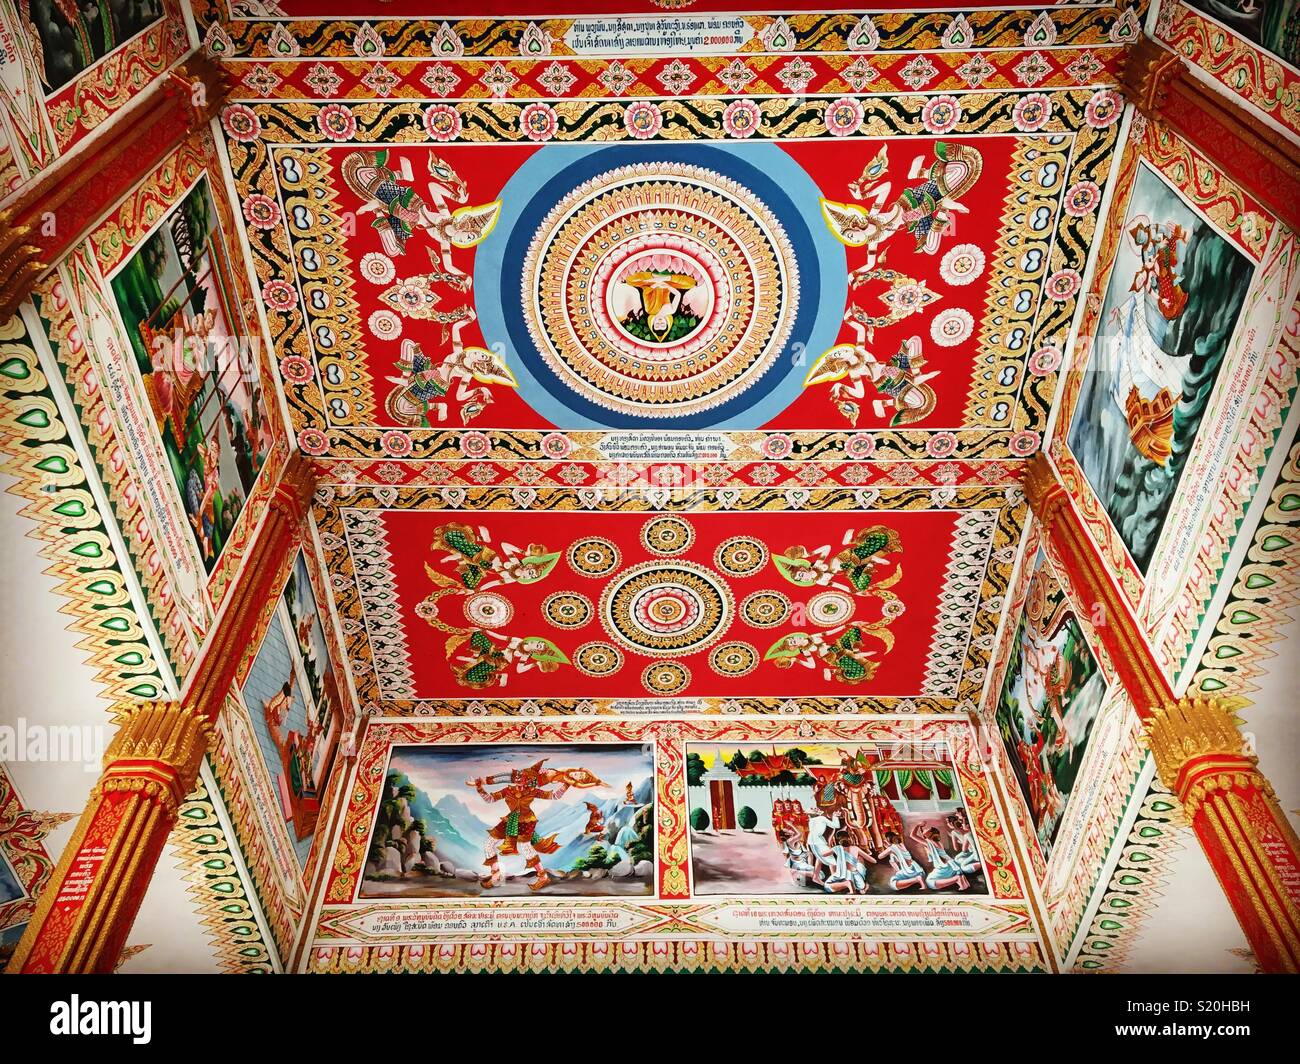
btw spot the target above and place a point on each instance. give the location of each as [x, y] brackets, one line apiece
[767, 171]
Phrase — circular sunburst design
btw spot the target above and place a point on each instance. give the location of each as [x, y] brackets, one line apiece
[568, 609]
[594, 557]
[733, 659]
[667, 536]
[665, 678]
[741, 556]
[598, 659]
[666, 609]
[488, 610]
[660, 289]
[765, 609]
[831, 608]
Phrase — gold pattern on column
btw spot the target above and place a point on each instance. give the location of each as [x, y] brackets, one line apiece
[84, 915]
[1251, 845]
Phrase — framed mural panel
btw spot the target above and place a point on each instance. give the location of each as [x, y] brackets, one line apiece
[1184, 376]
[204, 387]
[577, 844]
[293, 702]
[1051, 693]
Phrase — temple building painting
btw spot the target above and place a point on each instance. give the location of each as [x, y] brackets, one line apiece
[631, 485]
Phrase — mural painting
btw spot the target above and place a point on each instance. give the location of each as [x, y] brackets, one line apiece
[501, 820]
[200, 375]
[292, 697]
[67, 36]
[1049, 701]
[838, 818]
[1172, 303]
[1274, 25]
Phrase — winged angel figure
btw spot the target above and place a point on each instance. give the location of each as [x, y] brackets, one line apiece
[465, 373]
[928, 210]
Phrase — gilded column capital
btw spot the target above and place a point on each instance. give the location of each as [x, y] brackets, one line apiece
[157, 751]
[1196, 743]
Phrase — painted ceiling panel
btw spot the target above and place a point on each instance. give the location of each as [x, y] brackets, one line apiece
[799, 604]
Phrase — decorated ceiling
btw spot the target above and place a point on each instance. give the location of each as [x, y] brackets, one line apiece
[670, 381]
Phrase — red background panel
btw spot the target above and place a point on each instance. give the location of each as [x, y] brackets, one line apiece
[926, 538]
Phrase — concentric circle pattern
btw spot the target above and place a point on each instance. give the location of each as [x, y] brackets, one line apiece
[666, 609]
[666, 678]
[568, 609]
[488, 610]
[594, 557]
[598, 659]
[733, 659]
[765, 609]
[667, 536]
[741, 556]
[660, 289]
[830, 608]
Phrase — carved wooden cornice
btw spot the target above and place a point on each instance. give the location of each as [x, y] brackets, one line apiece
[1257, 157]
[63, 203]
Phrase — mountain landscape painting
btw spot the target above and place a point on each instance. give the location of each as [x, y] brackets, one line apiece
[500, 820]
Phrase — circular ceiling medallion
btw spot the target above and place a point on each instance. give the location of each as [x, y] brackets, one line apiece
[488, 610]
[830, 608]
[593, 556]
[765, 609]
[741, 556]
[733, 659]
[666, 536]
[666, 609]
[660, 289]
[665, 677]
[598, 659]
[568, 609]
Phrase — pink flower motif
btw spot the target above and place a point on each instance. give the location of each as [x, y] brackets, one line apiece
[1032, 112]
[941, 444]
[475, 445]
[643, 119]
[312, 441]
[241, 123]
[261, 211]
[1063, 284]
[1044, 361]
[556, 445]
[538, 121]
[335, 121]
[858, 446]
[777, 445]
[1103, 109]
[397, 444]
[442, 122]
[1081, 199]
[742, 118]
[279, 295]
[941, 114]
[1023, 444]
[295, 369]
[843, 116]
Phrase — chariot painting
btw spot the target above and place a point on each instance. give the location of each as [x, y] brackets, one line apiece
[829, 819]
